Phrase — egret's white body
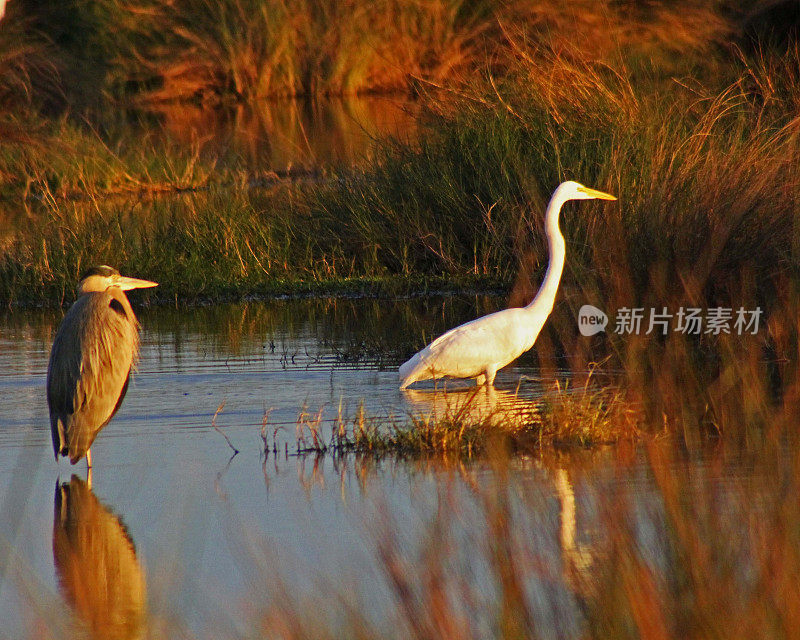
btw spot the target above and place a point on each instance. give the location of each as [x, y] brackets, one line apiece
[478, 349]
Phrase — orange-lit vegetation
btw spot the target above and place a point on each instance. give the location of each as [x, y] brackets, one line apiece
[676, 107]
[705, 165]
[198, 49]
[704, 162]
[459, 425]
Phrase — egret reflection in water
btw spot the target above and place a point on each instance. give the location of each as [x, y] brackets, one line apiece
[98, 573]
[484, 405]
[576, 557]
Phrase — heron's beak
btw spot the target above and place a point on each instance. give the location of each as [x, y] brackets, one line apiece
[126, 284]
[594, 193]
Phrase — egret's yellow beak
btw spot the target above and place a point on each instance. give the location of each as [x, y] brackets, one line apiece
[594, 193]
[126, 284]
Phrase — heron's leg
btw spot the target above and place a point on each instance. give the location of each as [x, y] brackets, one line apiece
[88, 458]
[481, 379]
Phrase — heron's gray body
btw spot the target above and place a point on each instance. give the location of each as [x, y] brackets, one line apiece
[90, 365]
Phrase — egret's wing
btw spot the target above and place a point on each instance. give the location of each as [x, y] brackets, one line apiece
[89, 367]
[469, 348]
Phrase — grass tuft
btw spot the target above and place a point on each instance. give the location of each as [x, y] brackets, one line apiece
[455, 425]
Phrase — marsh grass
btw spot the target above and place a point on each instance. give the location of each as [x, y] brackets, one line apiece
[707, 217]
[249, 48]
[60, 163]
[587, 416]
[30, 72]
[463, 425]
[708, 183]
[159, 50]
[706, 175]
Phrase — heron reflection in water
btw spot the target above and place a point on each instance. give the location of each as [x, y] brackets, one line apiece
[98, 573]
[90, 363]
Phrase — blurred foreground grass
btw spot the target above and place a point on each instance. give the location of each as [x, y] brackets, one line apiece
[697, 138]
[627, 542]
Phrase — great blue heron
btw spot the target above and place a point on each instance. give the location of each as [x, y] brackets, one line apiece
[477, 349]
[90, 363]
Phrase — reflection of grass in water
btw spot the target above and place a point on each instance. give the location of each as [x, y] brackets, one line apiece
[673, 548]
[288, 135]
[685, 566]
[730, 562]
[670, 549]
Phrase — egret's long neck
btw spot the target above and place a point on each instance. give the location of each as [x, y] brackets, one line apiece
[556, 248]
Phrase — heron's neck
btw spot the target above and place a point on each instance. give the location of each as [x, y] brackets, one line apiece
[556, 249]
[120, 297]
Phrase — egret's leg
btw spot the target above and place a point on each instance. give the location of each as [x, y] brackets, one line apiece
[481, 379]
[88, 458]
[490, 374]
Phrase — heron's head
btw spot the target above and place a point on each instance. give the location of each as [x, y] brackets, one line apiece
[576, 191]
[105, 277]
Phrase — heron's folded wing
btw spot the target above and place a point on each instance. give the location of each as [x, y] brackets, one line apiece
[92, 357]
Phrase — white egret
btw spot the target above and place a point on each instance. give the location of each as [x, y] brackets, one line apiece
[478, 349]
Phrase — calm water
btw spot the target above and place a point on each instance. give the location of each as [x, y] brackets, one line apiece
[203, 544]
